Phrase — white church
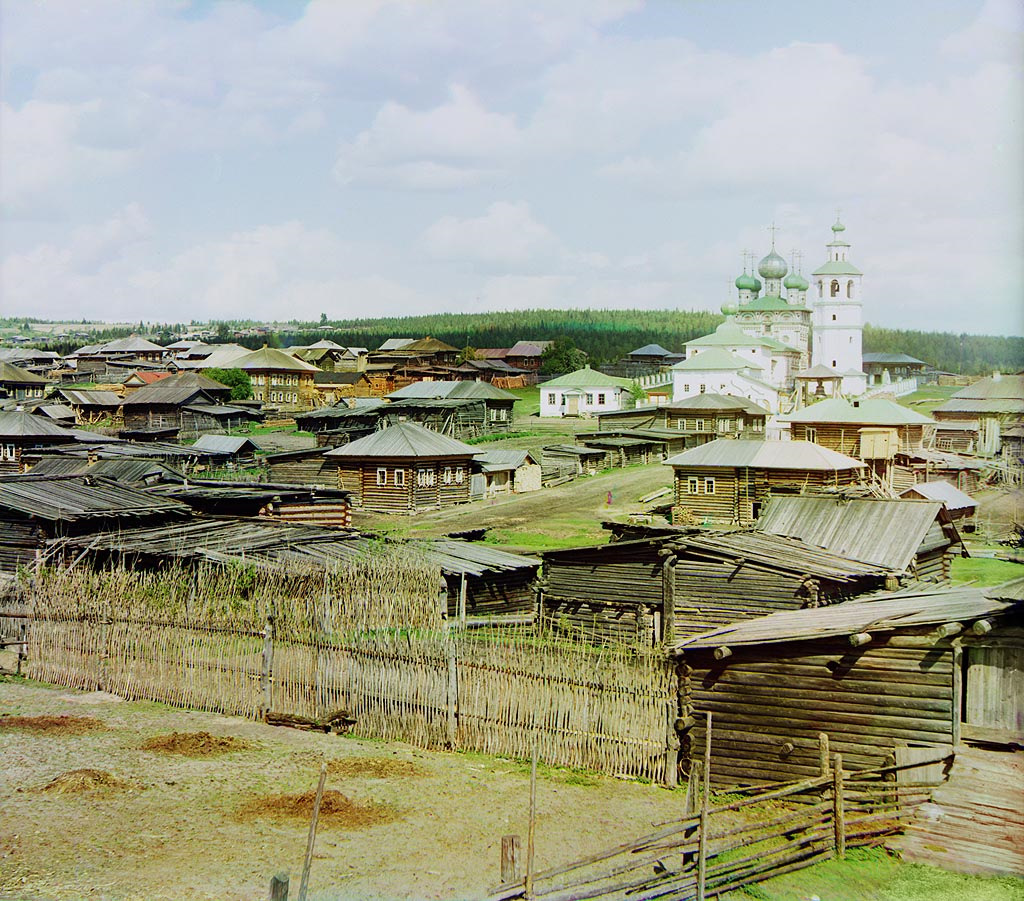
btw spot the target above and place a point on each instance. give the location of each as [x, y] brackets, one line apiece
[774, 348]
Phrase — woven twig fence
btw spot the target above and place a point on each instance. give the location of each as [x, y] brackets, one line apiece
[336, 644]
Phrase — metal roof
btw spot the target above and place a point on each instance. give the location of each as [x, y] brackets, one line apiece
[500, 459]
[587, 378]
[949, 495]
[878, 613]
[892, 359]
[713, 359]
[404, 439]
[994, 387]
[886, 532]
[872, 411]
[69, 498]
[737, 453]
[650, 350]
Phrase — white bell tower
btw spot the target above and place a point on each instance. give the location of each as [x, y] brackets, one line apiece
[838, 321]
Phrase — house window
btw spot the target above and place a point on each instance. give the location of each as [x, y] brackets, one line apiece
[399, 478]
[589, 400]
[833, 317]
[425, 478]
[686, 389]
[700, 425]
[458, 475]
[8, 453]
[811, 433]
[551, 399]
[600, 400]
[709, 486]
[382, 477]
[692, 485]
[447, 475]
[725, 425]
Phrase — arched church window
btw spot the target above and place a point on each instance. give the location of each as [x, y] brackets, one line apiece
[833, 317]
[821, 288]
[849, 288]
[835, 287]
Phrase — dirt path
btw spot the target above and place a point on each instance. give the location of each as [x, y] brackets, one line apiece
[175, 831]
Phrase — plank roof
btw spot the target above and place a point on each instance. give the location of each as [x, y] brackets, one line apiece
[271, 359]
[404, 439]
[176, 390]
[15, 375]
[446, 389]
[131, 345]
[22, 424]
[876, 613]
[742, 453]
[86, 397]
[70, 498]
[876, 530]
[949, 495]
[225, 444]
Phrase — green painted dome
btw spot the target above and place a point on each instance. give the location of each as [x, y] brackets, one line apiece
[728, 308]
[758, 285]
[747, 283]
[772, 266]
[795, 282]
[838, 228]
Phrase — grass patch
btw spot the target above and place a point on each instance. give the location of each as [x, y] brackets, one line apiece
[528, 402]
[553, 540]
[985, 571]
[871, 874]
[926, 399]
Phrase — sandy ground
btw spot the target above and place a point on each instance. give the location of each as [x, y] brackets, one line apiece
[176, 831]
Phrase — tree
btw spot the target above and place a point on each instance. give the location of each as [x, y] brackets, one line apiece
[235, 379]
[562, 355]
[467, 353]
[323, 319]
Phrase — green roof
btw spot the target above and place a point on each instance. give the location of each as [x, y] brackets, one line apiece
[768, 302]
[587, 378]
[837, 267]
[714, 358]
[873, 411]
[270, 358]
[727, 334]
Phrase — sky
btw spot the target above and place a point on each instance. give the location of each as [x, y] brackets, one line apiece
[177, 161]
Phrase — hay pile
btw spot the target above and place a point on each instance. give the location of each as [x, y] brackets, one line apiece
[86, 781]
[335, 810]
[53, 725]
[373, 768]
[195, 744]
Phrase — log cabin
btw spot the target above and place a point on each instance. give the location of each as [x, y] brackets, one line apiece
[660, 590]
[994, 403]
[960, 507]
[930, 669]
[20, 384]
[403, 469]
[22, 432]
[727, 482]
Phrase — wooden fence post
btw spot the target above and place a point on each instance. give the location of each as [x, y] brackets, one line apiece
[839, 808]
[267, 676]
[23, 647]
[452, 689]
[532, 831]
[671, 745]
[279, 887]
[705, 804]
[311, 839]
[823, 753]
[511, 848]
[693, 786]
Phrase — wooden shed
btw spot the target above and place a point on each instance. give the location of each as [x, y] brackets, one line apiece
[728, 481]
[910, 669]
[960, 507]
[403, 469]
[660, 590]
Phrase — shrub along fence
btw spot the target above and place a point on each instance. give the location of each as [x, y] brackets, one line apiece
[368, 639]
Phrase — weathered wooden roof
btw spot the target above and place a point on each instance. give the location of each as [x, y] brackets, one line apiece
[15, 375]
[501, 460]
[176, 390]
[886, 532]
[69, 498]
[873, 411]
[22, 424]
[877, 613]
[404, 439]
[949, 495]
[225, 444]
[128, 472]
[83, 397]
[731, 453]
[714, 402]
[453, 390]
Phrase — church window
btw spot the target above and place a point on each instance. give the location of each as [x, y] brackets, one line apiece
[686, 389]
[833, 364]
[835, 287]
[849, 288]
[821, 288]
[833, 317]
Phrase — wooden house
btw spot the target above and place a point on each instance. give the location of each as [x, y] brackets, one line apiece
[179, 401]
[624, 448]
[873, 430]
[574, 459]
[283, 503]
[141, 377]
[279, 379]
[960, 507]
[235, 449]
[995, 403]
[496, 372]
[927, 465]
[883, 369]
[916, 538]
[308, 466]
[526, 354]
[21, 432]
[404, 468]
[20, 384]
[331, 387]
[658, 590]
[728, 481]
[876, 675]
[497, 403]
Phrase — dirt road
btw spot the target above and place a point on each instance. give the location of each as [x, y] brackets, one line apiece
[178, 827]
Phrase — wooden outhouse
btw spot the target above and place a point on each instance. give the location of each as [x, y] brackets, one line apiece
[404, 468]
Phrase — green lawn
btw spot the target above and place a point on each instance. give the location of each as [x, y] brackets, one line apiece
[985, 571]
[926, 399]
[529, 401]
[870, 874]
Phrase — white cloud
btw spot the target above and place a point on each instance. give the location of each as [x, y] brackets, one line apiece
[506, 235]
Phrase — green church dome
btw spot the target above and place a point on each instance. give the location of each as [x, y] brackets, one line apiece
[795, 282]
[772, 266]
[747, 283]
